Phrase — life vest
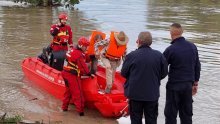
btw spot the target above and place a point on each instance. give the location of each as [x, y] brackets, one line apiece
[114, 51]
[62, 37]
[71, 66]
[91, 47]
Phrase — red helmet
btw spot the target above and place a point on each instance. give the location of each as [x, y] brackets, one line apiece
[83, 41]
[63, 16]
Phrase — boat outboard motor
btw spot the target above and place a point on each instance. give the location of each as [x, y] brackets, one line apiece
[58, 58]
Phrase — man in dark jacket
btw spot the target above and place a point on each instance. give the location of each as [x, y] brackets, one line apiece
[183, 77]
[143, 70]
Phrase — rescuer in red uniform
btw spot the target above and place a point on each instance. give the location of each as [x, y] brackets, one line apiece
[62, 34]
[62, 38]
[75, 67]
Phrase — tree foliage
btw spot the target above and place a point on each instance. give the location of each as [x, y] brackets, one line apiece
[66, 3]
[10, 120]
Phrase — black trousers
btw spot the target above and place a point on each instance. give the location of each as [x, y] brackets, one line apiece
[58, 58]
[94, 63]
[178, 101]
[148, 108]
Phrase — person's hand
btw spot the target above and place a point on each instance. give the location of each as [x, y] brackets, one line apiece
[97, 56]
[57, 28]
[55, 31]
[71, 46]
[85, 76]
[92, 75]
[89, 75]
[195, 88]
[123, 58]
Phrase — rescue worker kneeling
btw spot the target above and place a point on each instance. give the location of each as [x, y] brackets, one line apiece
[73, 69]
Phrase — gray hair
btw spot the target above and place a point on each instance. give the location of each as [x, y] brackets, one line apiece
[145, 38]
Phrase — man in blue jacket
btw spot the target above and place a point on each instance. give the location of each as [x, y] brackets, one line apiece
[143, 70]
[184, 73]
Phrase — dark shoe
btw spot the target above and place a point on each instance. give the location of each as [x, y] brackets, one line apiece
[81, 114]
[107, 90]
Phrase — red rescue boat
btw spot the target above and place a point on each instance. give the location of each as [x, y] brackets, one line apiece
[109, 105]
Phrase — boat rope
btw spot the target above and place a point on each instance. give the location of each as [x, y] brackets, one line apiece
[123, 112]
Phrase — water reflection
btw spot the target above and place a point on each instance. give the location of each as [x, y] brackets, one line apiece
[200, 20]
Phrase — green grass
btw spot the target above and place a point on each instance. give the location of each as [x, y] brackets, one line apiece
[11, 120]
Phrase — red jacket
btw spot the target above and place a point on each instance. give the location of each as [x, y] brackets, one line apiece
[62, 35]
[76, 57]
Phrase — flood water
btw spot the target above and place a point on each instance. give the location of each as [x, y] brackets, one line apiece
[24, 31]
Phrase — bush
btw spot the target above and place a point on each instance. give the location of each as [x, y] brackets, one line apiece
[49, 2]
[10, 120]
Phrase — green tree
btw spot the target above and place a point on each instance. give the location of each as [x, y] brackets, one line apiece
[66, 3]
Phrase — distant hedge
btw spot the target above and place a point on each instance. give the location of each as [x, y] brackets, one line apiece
[66, 3]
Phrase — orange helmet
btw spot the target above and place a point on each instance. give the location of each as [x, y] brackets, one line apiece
[63, 16]
[83, 41]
